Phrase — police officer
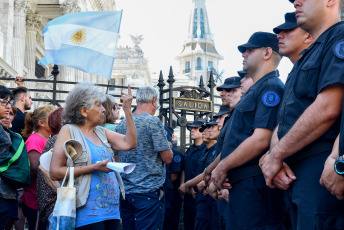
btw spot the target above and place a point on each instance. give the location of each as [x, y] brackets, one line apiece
[307, 119]
[173, 200]
[252, 205]
[246, 81]
[332, 176]
[191, 162]
[292, 38]
[206, 208]
[292, 41]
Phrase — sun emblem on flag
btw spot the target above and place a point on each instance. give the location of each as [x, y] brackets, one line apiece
[79, 37]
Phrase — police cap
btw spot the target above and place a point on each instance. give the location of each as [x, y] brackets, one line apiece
[169, 132]
[289, 24]
[223, 110]
[196, 124]
[208, 124]
[242, 73]
[230, 83]
[260, 39]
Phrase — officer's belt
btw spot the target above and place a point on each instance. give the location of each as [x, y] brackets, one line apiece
[237, 175]
[310, 150]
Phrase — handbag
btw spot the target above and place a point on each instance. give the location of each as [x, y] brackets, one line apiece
[64, 214]
[15, 168]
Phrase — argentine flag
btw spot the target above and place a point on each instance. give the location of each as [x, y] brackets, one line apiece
[86, 41]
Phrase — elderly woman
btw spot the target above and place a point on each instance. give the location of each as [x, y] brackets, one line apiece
[111, 112]
[97, 187]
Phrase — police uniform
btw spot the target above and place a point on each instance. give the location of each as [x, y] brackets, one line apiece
[173, 200]
[206, 207]
[322, 64]
[191, 162]
[250, 197]
[222, 205]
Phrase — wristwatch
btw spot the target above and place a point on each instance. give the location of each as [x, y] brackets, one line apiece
[339, 165]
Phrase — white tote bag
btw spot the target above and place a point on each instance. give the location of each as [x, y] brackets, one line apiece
[64, 214]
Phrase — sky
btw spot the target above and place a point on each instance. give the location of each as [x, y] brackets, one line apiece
[164, 26]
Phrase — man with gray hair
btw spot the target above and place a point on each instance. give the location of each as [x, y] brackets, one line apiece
[144, 207]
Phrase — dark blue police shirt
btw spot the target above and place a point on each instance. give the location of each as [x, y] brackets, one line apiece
[207, 158]
[174, 167]
[221, 137]
[192, 160]
[257, 108]
[321, 65]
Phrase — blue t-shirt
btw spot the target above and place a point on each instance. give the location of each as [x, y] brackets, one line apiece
[103, 200]
[149, 174]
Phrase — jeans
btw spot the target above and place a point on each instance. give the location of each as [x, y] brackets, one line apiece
[142, 211]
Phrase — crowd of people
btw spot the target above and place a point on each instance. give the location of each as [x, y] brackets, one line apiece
[270, 158]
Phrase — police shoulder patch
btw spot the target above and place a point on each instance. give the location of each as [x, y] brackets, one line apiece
[271, 99]
[339, 49]
[177, 159]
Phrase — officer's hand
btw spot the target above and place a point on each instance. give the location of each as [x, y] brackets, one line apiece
[218, 175]
[284, 178]
[201, 187]
[270, 166]
[212, 191]
[226, 184]
[206, 176]
[223, 194]
[126, 99]
[331, 180]
[181, 189]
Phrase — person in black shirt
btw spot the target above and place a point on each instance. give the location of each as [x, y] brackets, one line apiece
[252, 205]
[191, 161]
[22, 96]
[308, 121]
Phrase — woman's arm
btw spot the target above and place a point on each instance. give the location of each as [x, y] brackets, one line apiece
[129, 140]
[58, 162]
[34, 162]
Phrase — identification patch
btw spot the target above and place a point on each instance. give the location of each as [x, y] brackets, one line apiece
[339, 49]
[177, 159]
[271, 99]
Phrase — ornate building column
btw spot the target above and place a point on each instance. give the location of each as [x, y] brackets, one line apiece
[19, 33]
[33, 22]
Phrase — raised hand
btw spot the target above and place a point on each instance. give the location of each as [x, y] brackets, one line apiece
[126, 99]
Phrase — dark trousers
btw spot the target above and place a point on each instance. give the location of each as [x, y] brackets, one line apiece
[173, 205]
[222, 206]
[142, 211]
[6, 207]
[189, 212]
[252, 205]
[207, 216]
[31, 216]
[310, 205]
[103, 225]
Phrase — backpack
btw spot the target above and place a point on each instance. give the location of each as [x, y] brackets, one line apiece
[15, 168]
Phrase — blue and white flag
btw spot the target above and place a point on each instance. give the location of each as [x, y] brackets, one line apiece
[86, 41]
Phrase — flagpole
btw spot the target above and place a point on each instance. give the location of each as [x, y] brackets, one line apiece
[107, 88]
[55, 72]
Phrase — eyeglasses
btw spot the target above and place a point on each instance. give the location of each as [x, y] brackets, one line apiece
[4, 102]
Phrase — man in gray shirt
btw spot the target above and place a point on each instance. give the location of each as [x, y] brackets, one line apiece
[143, 207]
